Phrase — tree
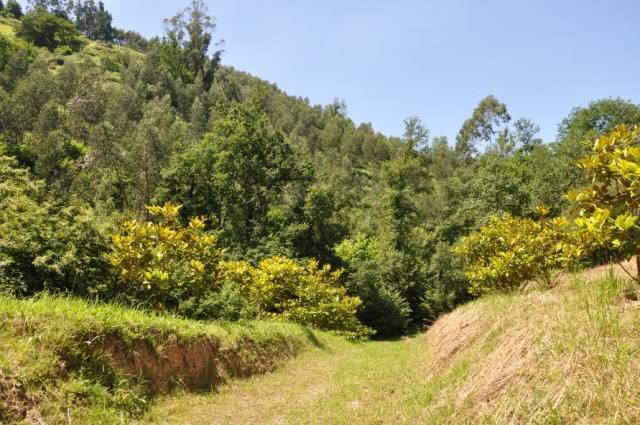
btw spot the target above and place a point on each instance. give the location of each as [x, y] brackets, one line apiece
[481, 127]
[47, 30]
[60, 8]
[235, 175]
[598, 119]
[14, 9]
[187, 43]
[525, 134]
[103, 28]
[415, 134]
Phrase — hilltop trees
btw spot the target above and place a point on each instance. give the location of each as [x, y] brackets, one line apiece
[44, 29]
[13, 9]
[93, 20]
[187, 43]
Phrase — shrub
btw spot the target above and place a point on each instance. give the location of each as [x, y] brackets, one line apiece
[508, 252]
[63, 51]
[42, 245]
[610, 207]
[383, 309]
[162, 264]
[281, 289]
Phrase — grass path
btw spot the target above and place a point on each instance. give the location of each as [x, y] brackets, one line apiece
[340, 383]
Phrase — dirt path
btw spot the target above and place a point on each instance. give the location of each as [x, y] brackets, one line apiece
[340, 383]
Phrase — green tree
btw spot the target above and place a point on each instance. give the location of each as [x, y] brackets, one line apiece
[481, 127]
[13, 9]
[187, 44]
[47, 30]
[595, 120]
[235, 175]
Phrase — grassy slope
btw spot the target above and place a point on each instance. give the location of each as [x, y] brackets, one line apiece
[571, 355]
[7, 26]
[48, 370]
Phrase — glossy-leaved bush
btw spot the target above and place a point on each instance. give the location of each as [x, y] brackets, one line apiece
[508, 252]
[610, 205]
[282, 289]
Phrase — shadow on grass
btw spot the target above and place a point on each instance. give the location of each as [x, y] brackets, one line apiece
[313, 338]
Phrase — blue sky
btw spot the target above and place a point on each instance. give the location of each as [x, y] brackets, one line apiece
[435, 59]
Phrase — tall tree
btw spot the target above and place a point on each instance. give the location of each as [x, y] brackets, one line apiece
[481, 127]
[188, 43]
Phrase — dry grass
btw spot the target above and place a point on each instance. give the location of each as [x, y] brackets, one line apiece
[566, 356]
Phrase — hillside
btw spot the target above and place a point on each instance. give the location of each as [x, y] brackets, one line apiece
[568, 356]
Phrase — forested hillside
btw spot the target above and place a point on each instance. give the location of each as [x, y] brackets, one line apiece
[97, 124]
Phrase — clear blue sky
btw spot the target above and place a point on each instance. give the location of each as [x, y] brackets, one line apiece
[434, 59]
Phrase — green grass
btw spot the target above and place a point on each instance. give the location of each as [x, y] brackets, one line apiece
[570, 355]
[48, 369]
[8, 26]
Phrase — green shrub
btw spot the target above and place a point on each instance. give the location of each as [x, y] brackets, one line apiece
[63, 51]
[228, 304]
[44, 246]
[383, 309]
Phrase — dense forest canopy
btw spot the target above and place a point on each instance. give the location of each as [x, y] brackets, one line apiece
[97, 123]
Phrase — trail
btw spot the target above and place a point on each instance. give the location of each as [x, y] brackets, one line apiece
[340, 383]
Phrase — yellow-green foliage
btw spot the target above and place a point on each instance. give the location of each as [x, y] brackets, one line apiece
[160, 261]
[609, 208]
[282, 289]
[508, 252]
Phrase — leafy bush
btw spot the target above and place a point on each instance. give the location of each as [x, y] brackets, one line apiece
[508, 252]
[162, 264]
[281, 289]
[610, 207]
[44, 246]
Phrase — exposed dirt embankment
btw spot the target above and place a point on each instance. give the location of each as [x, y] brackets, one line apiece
[66, 360]
[202, 364]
